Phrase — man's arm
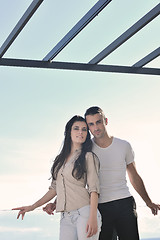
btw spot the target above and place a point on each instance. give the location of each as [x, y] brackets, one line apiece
[138, 185]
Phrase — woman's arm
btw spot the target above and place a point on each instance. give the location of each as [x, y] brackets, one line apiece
[92, 165]
[46, 198]
[92, 226]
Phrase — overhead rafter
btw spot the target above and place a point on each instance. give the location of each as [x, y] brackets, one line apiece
[87, 18]
[148, 58]
[127, 34]
[46, 63]
[20, 25]
[77, 66]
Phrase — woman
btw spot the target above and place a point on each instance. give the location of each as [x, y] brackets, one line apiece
[75, 183]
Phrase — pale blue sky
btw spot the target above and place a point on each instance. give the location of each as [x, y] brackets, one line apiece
[35, 104]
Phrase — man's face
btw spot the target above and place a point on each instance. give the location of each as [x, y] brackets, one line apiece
[96, 124]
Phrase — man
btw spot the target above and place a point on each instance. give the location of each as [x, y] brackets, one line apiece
[116, 204]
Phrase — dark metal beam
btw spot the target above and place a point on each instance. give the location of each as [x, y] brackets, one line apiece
[87, 18]
[77, 66]
[127, 34]
[148, 58]
[20, 25]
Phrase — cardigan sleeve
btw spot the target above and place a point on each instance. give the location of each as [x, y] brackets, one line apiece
[53, 185]
[92, 175]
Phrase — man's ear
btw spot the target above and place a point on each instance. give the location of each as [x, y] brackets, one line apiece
[106, 121]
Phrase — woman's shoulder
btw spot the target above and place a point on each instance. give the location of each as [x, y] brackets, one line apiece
[91, 155]
[92, 161]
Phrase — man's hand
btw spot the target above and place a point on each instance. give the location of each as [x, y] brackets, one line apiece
[49, 208]
[154, 207]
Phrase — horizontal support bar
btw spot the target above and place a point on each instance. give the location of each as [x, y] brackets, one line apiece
[127, 34]
[20, 25]
[148, 58]
[87, 18]
[77, 66]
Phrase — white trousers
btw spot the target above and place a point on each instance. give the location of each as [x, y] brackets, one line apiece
[73, 224]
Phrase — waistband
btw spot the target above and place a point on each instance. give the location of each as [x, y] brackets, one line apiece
[77, 211]
[117, 200]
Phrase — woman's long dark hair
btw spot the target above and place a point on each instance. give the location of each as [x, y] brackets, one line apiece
[79, 166]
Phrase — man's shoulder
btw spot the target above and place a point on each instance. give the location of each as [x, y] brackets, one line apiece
[121, 141]
[116, 140]
[125, 147]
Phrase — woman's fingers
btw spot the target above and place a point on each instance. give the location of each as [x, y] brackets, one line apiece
[18, 208]
[90, 231]
[22, 211]
[87, 228]
[23, 215]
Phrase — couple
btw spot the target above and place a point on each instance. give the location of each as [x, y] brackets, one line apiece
[89, 173]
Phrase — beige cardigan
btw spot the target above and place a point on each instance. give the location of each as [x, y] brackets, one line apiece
[73, 194]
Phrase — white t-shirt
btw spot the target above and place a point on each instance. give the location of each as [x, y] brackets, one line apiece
[113, 162]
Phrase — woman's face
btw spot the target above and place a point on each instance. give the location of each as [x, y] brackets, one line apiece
[79, 132]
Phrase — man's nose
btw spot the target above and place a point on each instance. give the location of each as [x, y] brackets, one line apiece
[95, 127]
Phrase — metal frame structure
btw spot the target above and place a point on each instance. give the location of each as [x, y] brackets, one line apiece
[93, 65]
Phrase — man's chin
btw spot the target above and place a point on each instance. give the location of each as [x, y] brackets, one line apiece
[97, 136]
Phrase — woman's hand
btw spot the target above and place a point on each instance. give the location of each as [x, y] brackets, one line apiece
[92, 226]
[23, 210]
[47, 197]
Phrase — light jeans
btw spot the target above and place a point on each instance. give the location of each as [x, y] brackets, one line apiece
[73, 224]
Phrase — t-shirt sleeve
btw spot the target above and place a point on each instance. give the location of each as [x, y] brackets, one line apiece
[129, 154]
[92, 166]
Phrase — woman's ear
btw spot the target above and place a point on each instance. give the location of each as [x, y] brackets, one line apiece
[106, 121]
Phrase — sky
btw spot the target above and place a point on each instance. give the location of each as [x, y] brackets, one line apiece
[35, 104]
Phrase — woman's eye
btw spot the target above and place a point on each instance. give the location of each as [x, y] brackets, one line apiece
[84, 129]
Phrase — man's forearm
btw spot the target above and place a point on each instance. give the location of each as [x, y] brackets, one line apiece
[139, 186]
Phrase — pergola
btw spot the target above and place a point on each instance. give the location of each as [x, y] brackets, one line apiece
[93, 64]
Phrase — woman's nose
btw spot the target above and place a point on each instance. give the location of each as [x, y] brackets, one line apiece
[80, 131]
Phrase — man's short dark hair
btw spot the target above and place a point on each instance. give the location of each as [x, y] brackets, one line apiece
[94, 110]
